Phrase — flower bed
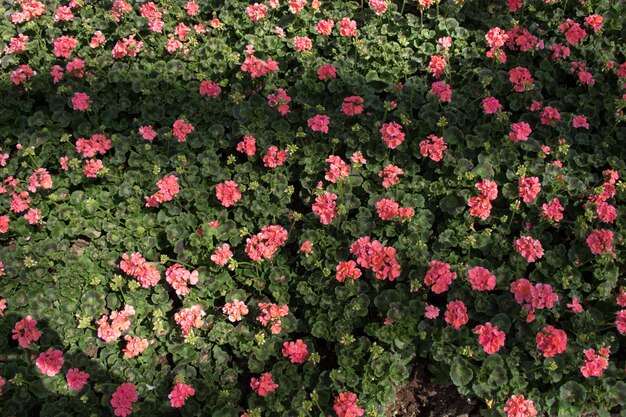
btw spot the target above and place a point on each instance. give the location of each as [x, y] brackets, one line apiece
[231, 208]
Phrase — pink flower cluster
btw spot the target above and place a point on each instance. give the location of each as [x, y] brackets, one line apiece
[433, 148]
[520, 132]
[437, 65]
[529, 248]
[297, 351]
[551, 341]
[517, 406]
[553, 210]
[64, 45]
[265, 243]
[235, 310]
[325, 207]
[392, 134]
[190, 317]
[247, 145]
[352, 106]
[442, 90]
[319, 123]
[272, 313]
[96, 144]
[600, 241]
[134, 346]
[380, 259]
[439, 277]
[179, 278]
[228, 193]
[274, 157]
[181, 129]
[25, 332]
[127, 47]
[480, 206]
[210, 89]
[346, 404]
[39, 179]
[573, 32]
[390, 175]
[31, 9]
[257, 67]
[120, 322]
[179, 394]
[337, 169]
[50, 362]
[123, 398]
[456, 314]
[595, 363]
[222, 254]
[280, 100]
[481, 279]
[521, 79]
[326, 71]
[137, 267]
[389, 209]
[168, 188]
[528, 188]
[490, 337]
[347, 269]
[76, 379]
[263, 385]
[23, 73]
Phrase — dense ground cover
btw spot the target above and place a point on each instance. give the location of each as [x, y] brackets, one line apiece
[228, 208]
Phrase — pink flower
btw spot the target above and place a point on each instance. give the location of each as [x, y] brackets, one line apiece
[222, 255]
[33, 216]
[228, 193]
[326, 71]
[3, 301]
[319, 123]
[179, 394]
[595, 22]
[528, 188]
[274, 158]
[489, 337]
[580, 121]
[264, 385]
[439, 277]
[352, 105]
[600, 241]
[302, 43]
[23, 73]
[358, 159]
[491, 105]
[296, 352]
[325, 27]
[280, 100]
[325, 207]
[147, 132]
[437, 65]
[432, 312]
[387, 209]
[247, 145]
[496, 37]
[192, 8]
[392, 134]
[480, 207]
[137, 267]
[39, 179]
[347, 27]
[120, 322]
[97, 143]
[606, 212]
[25, 332]
[572, 31]
[235, 310]
[188, 318]
[380, 259]
[257, 67]
[181, 129]
[551, 341]
[595, 364]
[96, 40]
[549, 115]
[433, 148]
[265, 243]
[346, 405]
[123, 398]
[81, 101]
[553, 210]
[390, 174]
[296, 6]
[92, 167]
[542, 296]
[272, 314]
[488, 188]
[347, 269]
[256, 12]
[306, 248]
[575, 306]
[134, 346]
[521, 79]
[338, 169]
[4, 223]
[17, 44]
[481, 279]
[456, 314]
[517, 406]
[50, 362]
[210, 89]
[76, 379]
[379, 6]
[442, 90]
[520, 132]
[179, 278]
[64, 45]
[620, 321]
[529, 248]
[168, 188]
